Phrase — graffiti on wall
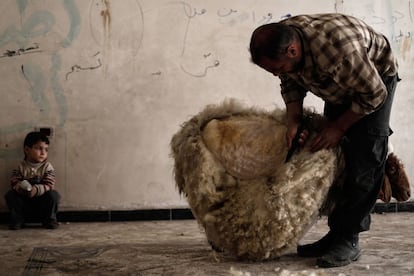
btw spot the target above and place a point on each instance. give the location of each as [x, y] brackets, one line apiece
[21, 40]
[41, 33]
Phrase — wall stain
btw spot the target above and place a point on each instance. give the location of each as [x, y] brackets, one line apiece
[106, 16]
[106, 21]
[37, 82]
[405, 45]
[75, 22]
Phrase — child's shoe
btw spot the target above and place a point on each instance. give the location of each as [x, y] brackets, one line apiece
[52, 224]
[15, 226]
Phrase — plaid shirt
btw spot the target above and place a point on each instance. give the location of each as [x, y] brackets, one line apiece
[344, 61]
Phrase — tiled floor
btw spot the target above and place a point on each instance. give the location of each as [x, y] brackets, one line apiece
[179, 248]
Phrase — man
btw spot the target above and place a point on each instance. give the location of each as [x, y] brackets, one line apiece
[352, 68]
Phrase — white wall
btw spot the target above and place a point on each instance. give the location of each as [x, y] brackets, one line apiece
[115, 79]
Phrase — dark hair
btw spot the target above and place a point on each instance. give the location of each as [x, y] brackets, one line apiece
[35, 137]
[271, 41]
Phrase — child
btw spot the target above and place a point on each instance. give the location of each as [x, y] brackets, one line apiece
[32, 195]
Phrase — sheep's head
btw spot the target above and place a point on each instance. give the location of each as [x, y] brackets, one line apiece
[385, 193]
[400, 186]
[234, 141]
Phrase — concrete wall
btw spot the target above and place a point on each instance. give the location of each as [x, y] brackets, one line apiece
[114, 79]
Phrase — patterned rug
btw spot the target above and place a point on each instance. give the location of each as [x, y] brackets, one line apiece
[124, 259]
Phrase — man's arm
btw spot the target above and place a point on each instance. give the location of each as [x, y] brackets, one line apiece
[332, 133]
[354, 73]
[347, 119]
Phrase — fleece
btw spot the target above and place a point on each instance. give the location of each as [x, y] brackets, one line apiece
[229, 163]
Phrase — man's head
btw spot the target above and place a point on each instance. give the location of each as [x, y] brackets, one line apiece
[276, 48]
[36, 146]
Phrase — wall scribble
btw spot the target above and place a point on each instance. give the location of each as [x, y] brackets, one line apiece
[22, 51]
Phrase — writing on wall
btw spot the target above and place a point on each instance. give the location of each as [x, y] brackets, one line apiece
[200, 36]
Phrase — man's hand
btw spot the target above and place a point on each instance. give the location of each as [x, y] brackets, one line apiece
[291, 133]
[328, 137]
[332, 133]
[294, 111]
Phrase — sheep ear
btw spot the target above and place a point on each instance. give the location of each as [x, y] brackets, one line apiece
[398, 179]
[385, 192]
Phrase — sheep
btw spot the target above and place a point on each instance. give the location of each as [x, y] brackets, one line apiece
[229, 164]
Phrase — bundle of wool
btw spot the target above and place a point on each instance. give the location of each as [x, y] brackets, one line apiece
[229, 163]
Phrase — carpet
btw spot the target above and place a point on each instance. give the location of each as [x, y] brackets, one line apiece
[120, 259]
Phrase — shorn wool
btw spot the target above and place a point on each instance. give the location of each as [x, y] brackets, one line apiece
[229, 163]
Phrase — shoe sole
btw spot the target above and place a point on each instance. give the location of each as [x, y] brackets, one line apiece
[328, 264]
[316, 249]
[309, 255]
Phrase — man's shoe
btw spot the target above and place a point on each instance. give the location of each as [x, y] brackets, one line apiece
[318, 248]
[343, 252]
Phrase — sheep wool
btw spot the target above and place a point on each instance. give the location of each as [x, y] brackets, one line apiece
[229, 163]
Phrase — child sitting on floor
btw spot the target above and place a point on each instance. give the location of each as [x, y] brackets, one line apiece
[32, 195]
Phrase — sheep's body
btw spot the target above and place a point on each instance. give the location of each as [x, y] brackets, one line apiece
[229, 163]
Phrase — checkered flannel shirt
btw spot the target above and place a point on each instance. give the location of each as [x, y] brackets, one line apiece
[344, 61]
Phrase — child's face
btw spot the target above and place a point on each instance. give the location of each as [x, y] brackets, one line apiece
[37, 153]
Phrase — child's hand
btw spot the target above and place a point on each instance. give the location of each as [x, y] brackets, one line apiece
[32, 192]
[25, 185]
[22, 187]
[20, 191]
